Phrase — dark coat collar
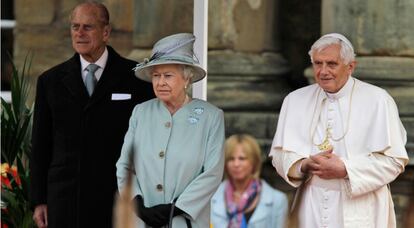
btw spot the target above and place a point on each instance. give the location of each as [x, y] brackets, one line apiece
[73, 79]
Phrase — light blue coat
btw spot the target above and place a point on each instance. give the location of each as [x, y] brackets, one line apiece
[179, 156]
[270, 212]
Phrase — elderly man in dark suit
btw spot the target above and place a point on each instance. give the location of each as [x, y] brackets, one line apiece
[80, 118]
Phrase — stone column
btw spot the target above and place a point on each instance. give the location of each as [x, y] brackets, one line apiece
[247, 73]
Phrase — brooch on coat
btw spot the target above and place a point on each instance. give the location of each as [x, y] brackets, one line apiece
[197, 111]
[192, 119]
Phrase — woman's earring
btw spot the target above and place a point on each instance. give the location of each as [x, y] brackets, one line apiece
[185, 87]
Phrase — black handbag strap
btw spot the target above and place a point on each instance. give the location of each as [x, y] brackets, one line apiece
[171, 214]
[187, 221]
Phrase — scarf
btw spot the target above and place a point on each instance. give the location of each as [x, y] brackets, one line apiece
[235, 211]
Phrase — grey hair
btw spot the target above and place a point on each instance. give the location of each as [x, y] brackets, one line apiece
[347, 52]
[188, 73]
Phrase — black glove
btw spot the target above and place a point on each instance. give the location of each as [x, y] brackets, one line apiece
[139, 203]
[156, 216]
[160, 215]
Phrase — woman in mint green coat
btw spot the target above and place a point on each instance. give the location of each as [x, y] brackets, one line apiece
[175, 142]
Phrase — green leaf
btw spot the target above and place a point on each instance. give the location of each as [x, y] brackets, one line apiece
[16, 119]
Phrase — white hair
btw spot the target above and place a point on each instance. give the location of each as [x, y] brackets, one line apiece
[188, 72]
[347, 51]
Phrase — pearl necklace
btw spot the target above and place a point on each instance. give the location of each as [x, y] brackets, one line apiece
[326, 145]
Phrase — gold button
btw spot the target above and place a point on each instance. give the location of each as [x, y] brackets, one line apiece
[168, 124]
[159, 187]
[161, 154]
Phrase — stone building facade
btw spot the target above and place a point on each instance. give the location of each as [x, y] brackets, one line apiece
[257, 52]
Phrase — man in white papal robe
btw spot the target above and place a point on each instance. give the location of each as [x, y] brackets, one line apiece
[342, 142]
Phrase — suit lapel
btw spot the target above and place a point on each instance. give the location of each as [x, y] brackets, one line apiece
[72, 80]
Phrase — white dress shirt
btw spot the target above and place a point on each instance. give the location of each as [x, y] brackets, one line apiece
[101, 62]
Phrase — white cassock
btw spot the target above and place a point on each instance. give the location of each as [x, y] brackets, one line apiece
[367, 135]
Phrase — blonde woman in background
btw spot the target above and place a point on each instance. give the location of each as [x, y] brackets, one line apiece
[243, 199]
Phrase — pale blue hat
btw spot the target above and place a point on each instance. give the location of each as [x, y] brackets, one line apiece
[174, 49]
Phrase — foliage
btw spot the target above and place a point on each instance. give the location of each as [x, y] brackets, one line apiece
[16, 117]
[15, 146]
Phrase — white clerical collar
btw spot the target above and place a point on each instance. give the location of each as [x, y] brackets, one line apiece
[345, 90]
[101, 62]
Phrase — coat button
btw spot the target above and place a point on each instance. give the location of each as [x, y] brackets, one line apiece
[159, 187]
[161, 154]
[168, 124]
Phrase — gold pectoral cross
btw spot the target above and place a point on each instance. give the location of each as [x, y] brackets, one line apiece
[325, 145]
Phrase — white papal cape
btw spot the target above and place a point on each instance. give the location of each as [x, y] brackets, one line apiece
[373, 151]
